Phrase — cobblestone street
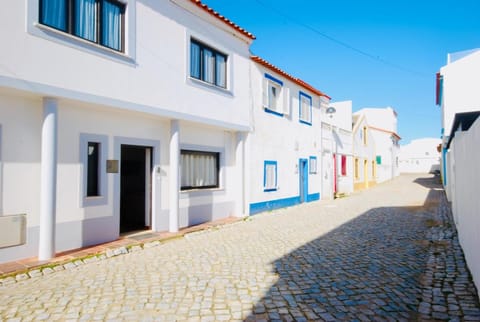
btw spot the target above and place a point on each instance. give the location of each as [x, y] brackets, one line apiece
[389, 253]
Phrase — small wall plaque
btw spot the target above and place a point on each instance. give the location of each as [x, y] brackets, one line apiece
[112, 166]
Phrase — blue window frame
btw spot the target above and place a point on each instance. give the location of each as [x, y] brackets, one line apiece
[312, 161]
[270, 172]
[275, 96]
[98, 21]
[305, 108]
[208, 64]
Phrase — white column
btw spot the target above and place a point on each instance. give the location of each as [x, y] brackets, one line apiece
[241, 178]
[48, 180]
[174, 178]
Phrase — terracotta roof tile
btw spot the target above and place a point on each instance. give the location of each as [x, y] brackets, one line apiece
[298, 81]
[227, 21]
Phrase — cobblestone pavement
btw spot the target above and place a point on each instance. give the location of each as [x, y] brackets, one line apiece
[389, 253]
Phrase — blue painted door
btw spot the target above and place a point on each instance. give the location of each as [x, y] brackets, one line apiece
[303, 175]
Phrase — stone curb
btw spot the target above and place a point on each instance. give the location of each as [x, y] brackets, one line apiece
[47, 269]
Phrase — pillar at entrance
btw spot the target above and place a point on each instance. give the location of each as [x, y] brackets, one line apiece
[48, 180]
[174, 177]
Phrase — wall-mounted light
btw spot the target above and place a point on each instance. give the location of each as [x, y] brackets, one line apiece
[330, 111]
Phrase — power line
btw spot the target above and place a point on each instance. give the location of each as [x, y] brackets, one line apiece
[340, 42]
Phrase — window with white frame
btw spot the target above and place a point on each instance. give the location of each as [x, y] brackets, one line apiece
[270, 176]
[208, 64]
[93, 157]
[275, 96]
[313, 164]
[305, 109]
[199, 169]
[98, 21]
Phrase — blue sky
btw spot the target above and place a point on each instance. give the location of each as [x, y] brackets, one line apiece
[395, 48]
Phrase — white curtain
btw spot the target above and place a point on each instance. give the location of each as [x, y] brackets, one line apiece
[305, 109]
[85, 19]
[208, 66]
[54, 13]
[270, 176]
[198, 170]
[112, 25]
[220, 71]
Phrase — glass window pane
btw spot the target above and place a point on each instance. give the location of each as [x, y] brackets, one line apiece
[54, 14]
[195, 60]
[199, 170]
[208, 66]
[272, 96]
[112, 25]
[93, 169]
[220, 70]
[85, 18]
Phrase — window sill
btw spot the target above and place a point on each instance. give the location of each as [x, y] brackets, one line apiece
[199, 83]
[79, 43]
[270, 189]
[94, 201]
[306, 122]
[200, 192]
[270, 111]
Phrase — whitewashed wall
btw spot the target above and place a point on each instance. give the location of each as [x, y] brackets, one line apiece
[465, 202]
[283, 139]
[460, 90]
[153, 76]
[420, 156]
[128, 98]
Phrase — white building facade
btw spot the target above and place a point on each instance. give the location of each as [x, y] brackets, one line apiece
[420, 156]
[285, 143]
[382, 123]
[121, 116]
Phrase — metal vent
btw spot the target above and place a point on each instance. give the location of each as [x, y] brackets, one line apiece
[13, 230]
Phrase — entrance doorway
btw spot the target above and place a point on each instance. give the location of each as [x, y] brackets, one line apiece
[303, 174]
[135, 188]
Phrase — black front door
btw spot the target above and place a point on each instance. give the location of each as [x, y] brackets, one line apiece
[134, 192]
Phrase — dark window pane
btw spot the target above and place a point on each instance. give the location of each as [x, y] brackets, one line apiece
[85, 19]
[93, 151]
[53, 13]
[199, 170]
[112, 25]
[195, 60]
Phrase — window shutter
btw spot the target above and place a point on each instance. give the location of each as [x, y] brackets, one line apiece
[286, 100]
[265, 92]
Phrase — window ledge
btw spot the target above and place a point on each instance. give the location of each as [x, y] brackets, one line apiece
[83, 44]
[200, 83]
[208, 191]
[306, 122]
[270, 111]
[270, 189]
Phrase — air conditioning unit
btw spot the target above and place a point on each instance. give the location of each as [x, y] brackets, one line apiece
[13, 230]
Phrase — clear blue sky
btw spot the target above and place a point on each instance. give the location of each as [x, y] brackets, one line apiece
[396, 48]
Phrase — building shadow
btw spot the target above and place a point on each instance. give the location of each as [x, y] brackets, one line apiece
[365, 270]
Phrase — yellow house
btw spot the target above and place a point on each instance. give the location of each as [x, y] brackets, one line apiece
[364, 163]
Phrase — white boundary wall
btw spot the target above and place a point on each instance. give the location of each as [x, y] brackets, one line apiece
[465, 201]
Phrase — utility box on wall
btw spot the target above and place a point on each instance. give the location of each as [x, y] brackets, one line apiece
[13, 230]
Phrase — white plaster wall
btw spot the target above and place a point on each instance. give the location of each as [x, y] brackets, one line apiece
[383, 118]
[20, 117]
[155, 79]
[465, 203]
[420, 156]
[460, 89]
[282, 139]
[78, 225]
